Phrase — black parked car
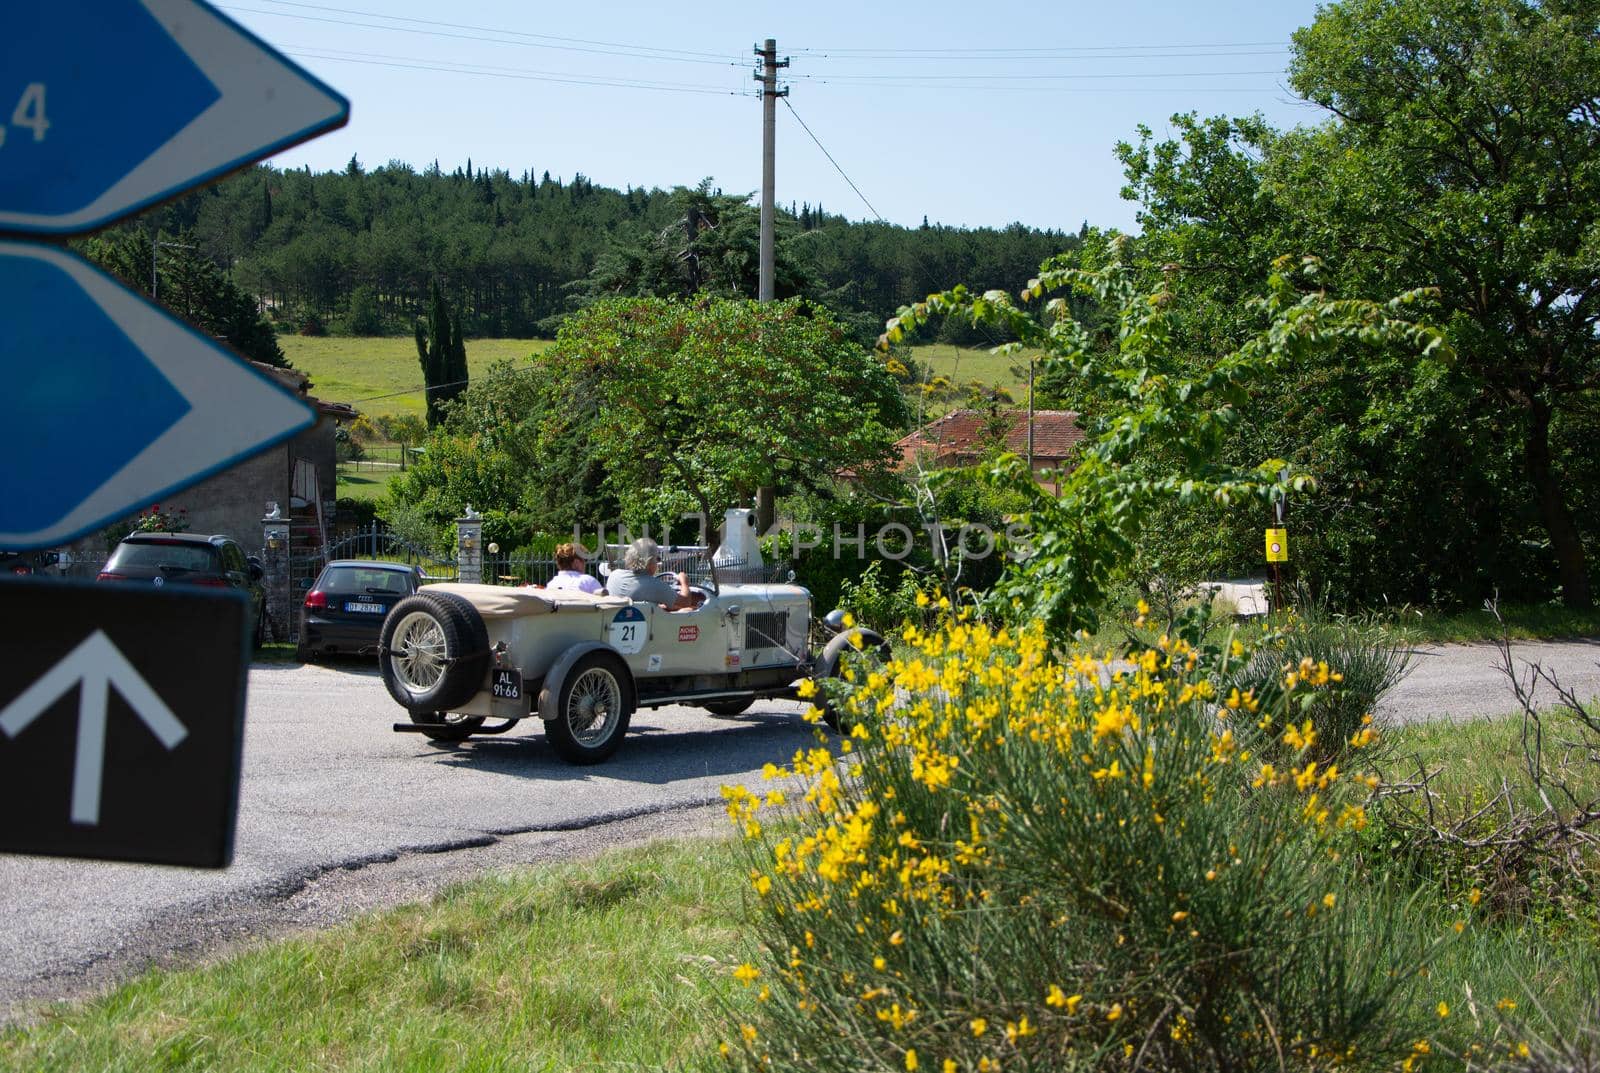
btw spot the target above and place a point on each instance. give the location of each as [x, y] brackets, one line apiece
[190, 559]
[25, 563]
[344, 611]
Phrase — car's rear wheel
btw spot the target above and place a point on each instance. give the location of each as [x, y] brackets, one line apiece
[434, 652]
[447, 726]
[593, 709]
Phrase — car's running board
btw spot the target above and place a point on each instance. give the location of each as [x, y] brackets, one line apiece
[664, 699]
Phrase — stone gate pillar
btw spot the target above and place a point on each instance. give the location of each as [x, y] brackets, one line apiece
[469, 546]
[282, 622]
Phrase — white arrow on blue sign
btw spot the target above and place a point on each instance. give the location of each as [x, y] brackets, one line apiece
[121, 402]
[107, 106]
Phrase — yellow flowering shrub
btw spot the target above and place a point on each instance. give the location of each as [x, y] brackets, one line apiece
[1025, 860]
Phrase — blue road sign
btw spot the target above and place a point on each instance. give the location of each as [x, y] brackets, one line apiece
[107, 106]
[111, 403]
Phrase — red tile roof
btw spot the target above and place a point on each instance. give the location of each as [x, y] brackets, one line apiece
[961, 436]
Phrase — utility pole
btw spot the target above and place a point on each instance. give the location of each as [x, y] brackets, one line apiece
[766, 495]
[768, 77]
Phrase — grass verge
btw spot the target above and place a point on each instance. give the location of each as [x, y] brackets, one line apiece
[610, 963]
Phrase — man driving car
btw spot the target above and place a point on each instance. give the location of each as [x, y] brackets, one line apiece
[637, 579]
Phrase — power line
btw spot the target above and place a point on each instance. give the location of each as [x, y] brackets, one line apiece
[629, 51]
[867, 79]
[834, 162]
[378, 59]
[492, 29]
[1105, 57]
[1021, 53]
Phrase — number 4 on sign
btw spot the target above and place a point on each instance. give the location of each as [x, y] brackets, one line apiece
[29, 113]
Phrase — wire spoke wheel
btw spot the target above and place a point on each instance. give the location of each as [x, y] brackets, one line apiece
[417, 653]
[595, 706]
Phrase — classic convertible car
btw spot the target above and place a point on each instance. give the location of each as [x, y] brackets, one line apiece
[456, 656]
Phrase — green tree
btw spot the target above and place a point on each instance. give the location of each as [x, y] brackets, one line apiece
[193, 288]
[1462, 154]
[1158, 438]
[442, 354]
[1466, 156]
[695, 406]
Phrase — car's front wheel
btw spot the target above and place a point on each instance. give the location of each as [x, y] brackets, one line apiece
[593, 708]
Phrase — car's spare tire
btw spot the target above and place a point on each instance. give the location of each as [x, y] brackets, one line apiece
[434, 652]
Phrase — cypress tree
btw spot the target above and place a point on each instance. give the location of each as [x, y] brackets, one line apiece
[434, 353]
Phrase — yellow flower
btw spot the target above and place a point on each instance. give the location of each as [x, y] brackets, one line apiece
[746, 974]
[897, 938]
[911, 1059]
[1114, 1012]
[978, 1025]
[1475, 897]
[1328, 899]
[1055, 996]
[922, 598]
[1180, 916]
[748, 1032]
[1505, 1005]
[1444, 1009]
[807, 688]
[763, 885]
[950, 1065]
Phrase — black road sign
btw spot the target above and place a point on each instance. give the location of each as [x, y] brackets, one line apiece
[121, 721]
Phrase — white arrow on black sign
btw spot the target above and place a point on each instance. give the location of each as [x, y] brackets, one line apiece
[95, 666]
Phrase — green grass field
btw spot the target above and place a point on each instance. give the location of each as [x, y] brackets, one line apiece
[379, 374]
[963, 364]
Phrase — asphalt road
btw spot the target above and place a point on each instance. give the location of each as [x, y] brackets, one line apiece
[340, 815]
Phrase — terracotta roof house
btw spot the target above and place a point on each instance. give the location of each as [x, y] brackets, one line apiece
[961, 437]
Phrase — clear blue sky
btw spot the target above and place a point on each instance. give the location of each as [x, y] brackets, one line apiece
[971, 114]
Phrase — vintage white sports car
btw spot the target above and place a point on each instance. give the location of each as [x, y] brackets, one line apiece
[455, 655]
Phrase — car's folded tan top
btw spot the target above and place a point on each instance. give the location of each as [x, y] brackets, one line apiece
[498, 601]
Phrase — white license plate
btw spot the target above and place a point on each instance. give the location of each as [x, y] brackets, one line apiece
[363, 607]
[507, 684]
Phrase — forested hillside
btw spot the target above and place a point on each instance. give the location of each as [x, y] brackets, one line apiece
[355, 251]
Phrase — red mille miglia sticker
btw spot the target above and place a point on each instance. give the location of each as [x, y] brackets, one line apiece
[688, 633]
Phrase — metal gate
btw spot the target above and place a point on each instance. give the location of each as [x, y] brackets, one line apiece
[376, 541]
